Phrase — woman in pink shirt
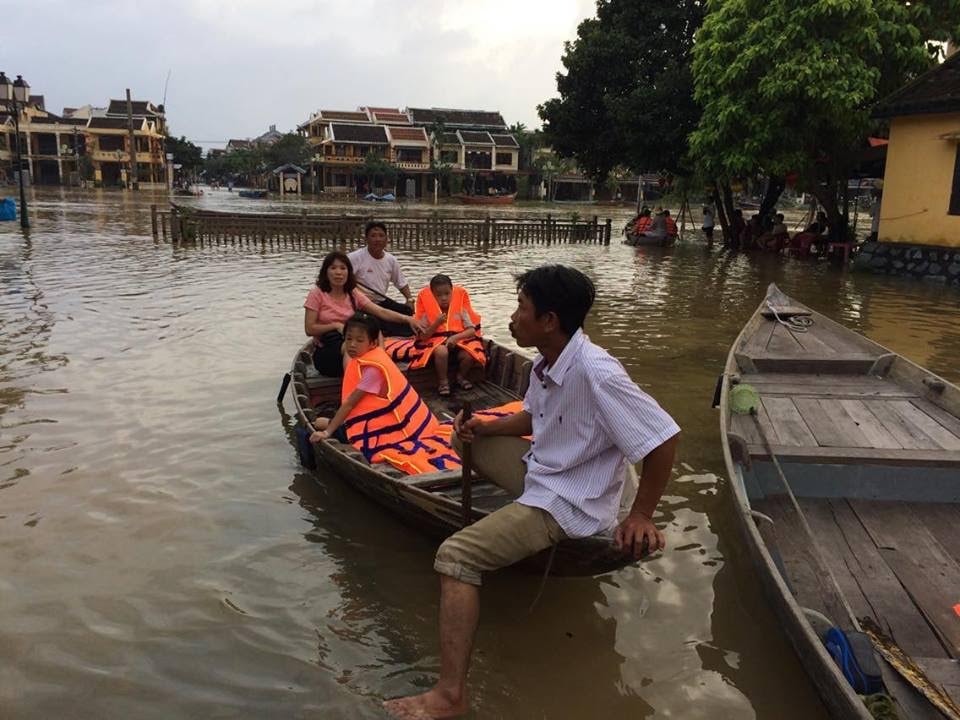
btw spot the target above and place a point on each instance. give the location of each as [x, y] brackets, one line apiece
[330, 304]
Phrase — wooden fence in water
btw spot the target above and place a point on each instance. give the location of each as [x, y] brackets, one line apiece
[187, 225]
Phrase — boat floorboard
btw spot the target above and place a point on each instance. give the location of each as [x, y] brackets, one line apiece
[898, 563]
[863, 417]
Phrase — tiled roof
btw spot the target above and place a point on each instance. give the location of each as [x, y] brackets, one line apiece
[458, 118]
[475, 138]
[235, 143]
[375, 134]
[140, 107]
[114, 123]
[74, 121]
[37, 101]
[391, 118]
[450, 139]
[393, 110]
[505, 141]
[348, 115]
[408, 133]
[936, 91]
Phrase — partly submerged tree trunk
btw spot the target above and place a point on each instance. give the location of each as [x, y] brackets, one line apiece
[722, 215]
[775, 186]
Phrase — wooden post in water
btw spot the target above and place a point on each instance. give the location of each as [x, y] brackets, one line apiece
[607, 231]
[153, 220]
[163, 225]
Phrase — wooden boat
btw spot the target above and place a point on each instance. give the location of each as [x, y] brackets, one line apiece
[254, 194]
[431, 501]
[870, 445]
[630, 238]
[485, 199]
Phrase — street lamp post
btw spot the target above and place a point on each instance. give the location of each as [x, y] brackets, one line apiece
[20, 96]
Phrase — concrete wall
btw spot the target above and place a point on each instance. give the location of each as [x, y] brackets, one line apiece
[918, 181]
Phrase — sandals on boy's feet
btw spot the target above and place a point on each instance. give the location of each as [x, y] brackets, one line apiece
[443, 390]
[464, 384]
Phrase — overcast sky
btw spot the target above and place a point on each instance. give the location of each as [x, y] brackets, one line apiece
[237, 67]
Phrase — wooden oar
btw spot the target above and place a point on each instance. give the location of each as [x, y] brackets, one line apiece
[370, 289]
[466, 458]
[283, 387]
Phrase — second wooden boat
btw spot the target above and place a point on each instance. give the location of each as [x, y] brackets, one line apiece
[869, 444]
[432, 502]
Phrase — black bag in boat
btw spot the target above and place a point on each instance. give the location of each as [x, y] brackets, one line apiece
[328, 357]
[392, 329]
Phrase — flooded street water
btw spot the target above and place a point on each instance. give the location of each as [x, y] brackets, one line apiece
[163, 555]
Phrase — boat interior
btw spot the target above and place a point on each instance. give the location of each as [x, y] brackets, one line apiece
[502, 381]
[870, 445]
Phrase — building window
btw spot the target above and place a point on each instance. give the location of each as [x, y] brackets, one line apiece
[111, 143]
[450, 156]
[505, 158]
[411, 155]
[955, 190]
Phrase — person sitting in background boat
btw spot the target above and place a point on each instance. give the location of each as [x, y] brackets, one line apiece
[328, 306]
[452, 328]
[641, 223]
[375, 269]
[672, 231]
[587, 419]
[814, 235]
[380, 413]
[658, 227]
[777, 237]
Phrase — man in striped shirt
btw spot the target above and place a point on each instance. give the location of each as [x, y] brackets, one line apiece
[587, 419]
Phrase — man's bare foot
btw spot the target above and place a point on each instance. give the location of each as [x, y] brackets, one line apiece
[432, 705]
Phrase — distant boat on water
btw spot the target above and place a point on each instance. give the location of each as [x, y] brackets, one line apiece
[256, 194]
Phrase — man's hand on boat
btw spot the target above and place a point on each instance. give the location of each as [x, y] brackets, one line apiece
[468, 430]
[633, 531]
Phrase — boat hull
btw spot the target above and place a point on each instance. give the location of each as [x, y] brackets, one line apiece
[791, 369]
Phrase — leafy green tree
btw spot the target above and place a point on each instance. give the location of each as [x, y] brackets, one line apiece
[185, 154]
[247, 164]
[289, 148]
[627, 95]
[787, 86]
[374, 166]
[550, 166]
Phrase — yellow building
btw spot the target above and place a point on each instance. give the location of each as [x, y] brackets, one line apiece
[921, 189]
[93, 143]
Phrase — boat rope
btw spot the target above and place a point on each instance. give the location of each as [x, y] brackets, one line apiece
[543, 580]
[793, 323]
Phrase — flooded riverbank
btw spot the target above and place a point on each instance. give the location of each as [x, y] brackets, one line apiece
[163, 555]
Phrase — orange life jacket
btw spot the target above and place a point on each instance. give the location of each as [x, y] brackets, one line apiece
[399, 428]
[427, 305]
[671, 226]
[643, 224]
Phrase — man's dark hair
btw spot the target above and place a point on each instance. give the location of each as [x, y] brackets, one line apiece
[374, 224]
[564, 291]
[368, 323]
[438, 281]
[323, 281]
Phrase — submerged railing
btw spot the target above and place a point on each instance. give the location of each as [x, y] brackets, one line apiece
[181, 224]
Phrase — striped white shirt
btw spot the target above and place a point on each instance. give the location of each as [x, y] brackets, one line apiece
[588, 417]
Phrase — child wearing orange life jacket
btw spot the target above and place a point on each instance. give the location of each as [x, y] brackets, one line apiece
[380, 413]
[452, 327]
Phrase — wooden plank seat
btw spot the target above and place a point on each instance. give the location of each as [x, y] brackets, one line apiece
[870, 420]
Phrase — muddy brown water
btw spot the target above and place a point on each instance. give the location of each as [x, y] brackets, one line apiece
[162, 555]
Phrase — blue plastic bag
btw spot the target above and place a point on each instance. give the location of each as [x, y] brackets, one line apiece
[8, 209]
